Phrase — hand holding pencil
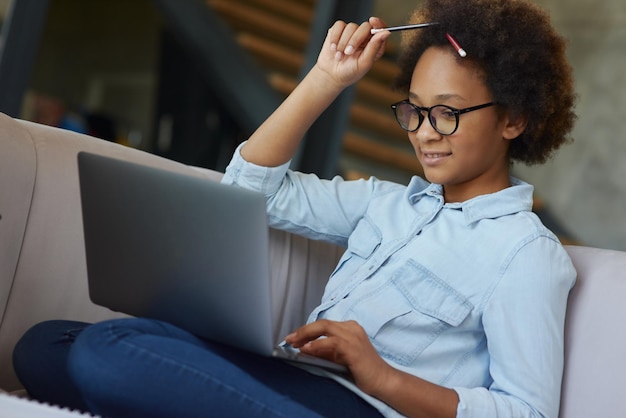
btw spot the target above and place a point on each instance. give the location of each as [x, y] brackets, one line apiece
[450, 38]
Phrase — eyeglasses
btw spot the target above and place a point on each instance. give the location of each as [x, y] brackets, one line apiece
[444, 119]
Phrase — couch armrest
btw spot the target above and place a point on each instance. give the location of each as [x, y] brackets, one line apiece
[42, 265]
[595, 337]
[17, 181]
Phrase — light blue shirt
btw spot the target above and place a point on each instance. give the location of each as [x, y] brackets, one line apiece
[470, 296]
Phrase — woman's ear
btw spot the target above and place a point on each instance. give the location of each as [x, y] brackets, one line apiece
[514, 126]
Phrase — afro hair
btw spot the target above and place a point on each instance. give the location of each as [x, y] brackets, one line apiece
[521, 55]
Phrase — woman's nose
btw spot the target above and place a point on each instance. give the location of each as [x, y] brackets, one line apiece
[425, 133]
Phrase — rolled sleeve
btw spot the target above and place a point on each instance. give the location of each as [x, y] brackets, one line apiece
[242, 173]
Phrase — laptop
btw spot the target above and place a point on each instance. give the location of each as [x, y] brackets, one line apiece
[181, 249]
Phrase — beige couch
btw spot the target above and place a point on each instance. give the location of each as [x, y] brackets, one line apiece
[43, 273]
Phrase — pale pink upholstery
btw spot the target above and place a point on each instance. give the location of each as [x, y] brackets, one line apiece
[43, 273]
[595, 368]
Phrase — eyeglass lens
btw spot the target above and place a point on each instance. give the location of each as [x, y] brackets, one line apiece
[442, 118]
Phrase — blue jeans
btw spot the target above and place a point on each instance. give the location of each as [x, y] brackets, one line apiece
[147, 368]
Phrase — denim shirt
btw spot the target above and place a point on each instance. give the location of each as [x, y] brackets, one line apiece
[470, 296]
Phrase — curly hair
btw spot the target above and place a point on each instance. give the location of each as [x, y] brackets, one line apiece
[521, 55]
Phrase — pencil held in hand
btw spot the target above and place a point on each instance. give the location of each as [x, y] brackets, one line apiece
[452, 41]
[405, 27]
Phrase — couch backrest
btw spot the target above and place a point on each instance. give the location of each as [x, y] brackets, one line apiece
[17, 180]
[595, 336]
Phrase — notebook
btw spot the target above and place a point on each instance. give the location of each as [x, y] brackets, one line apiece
[181, 249]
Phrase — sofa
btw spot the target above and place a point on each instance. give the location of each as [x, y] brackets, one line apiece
[43, 272]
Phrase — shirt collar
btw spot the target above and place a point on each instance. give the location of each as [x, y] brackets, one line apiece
[514, 199]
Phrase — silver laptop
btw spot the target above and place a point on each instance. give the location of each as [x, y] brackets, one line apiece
[180, 249]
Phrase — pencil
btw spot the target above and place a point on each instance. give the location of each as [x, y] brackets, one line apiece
[456, 45]
[404, 27]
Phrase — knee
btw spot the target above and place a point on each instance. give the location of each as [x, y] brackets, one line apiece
[87, 358]
[40, 359]
[105, 362]
[101, 353]
[42, 341]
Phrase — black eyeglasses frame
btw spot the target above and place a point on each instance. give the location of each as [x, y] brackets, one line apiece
[420, 112]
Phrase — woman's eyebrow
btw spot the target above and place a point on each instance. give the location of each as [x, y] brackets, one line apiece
[439, 97]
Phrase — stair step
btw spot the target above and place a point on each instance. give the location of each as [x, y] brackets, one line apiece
[271, 54]
[245, 17]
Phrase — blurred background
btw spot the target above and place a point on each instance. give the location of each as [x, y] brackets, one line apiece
[191, 79]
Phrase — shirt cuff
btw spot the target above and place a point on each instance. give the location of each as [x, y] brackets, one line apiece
[472, 403]
[250, 176]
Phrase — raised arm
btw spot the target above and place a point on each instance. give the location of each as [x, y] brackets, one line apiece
[348, 53]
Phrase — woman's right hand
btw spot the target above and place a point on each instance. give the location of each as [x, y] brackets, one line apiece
[350, 50]
[348, 53]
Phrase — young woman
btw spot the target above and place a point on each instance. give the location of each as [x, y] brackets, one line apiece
[450, 299]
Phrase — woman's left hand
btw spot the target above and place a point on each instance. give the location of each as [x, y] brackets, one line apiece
[344, 343]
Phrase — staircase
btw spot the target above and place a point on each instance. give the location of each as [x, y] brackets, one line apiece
[277, 33]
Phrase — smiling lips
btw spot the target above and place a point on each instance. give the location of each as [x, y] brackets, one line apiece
[434, 157]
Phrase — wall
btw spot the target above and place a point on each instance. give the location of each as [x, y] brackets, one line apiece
[584, 185]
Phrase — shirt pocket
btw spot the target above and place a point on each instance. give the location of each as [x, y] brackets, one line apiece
[362, 243]
[409, 312]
